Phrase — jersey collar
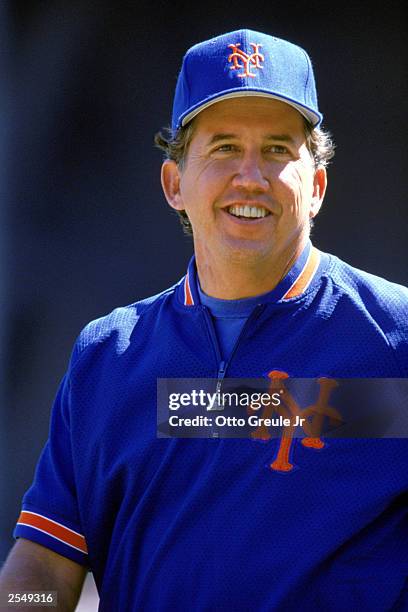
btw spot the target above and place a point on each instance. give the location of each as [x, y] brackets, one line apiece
[293, 285]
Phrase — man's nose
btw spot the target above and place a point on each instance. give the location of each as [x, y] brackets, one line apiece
[251, 174]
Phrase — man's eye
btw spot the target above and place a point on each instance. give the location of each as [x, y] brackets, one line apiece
[280, 149]
[225, 148]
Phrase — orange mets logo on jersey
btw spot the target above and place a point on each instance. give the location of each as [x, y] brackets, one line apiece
[311, 418]
[246, 61]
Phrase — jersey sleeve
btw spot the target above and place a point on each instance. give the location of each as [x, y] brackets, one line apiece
[50, 514]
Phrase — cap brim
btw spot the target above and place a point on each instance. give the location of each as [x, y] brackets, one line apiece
[312, 116]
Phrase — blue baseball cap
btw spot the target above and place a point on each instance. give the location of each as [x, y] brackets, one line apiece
[244, 63]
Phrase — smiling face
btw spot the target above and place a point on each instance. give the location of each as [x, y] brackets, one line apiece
[248, 185]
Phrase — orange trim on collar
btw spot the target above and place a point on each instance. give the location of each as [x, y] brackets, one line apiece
[188, 298]
[54, 529]
[305, 277]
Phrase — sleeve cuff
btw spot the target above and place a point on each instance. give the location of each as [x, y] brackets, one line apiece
[52, 534]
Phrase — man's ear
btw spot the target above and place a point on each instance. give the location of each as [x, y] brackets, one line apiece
[319, 189]
[170, 180]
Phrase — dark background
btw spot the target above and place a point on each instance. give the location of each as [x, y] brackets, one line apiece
[84, 226]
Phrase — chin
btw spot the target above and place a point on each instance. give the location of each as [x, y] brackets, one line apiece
[247, 251]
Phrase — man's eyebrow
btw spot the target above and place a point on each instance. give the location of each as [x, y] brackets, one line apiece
[280, 138]
[276, 137]
[217, 137]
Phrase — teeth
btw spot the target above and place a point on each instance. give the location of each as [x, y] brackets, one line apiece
[248, 211]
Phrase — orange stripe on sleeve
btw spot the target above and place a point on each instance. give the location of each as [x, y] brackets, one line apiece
[305, 277]
[54, 529]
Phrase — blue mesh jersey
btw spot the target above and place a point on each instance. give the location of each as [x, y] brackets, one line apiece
[206, 524]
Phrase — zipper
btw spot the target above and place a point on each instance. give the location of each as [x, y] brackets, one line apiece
[223, 365]
[220, 377]
[213, 336]
[259, 308]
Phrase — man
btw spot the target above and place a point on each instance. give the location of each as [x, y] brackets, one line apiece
[206, 524]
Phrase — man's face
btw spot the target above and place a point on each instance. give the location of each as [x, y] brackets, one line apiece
[247, 156]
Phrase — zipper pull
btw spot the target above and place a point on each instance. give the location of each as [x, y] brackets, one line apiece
[218, 406]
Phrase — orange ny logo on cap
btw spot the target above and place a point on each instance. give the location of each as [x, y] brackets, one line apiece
[247, 59]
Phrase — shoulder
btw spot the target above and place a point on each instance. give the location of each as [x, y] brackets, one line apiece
[376, 294]
[118, 325]
[372, 302]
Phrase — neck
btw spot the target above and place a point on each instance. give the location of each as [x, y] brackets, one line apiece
[234, 279]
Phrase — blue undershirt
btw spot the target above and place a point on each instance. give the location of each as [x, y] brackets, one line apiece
[229, 317]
